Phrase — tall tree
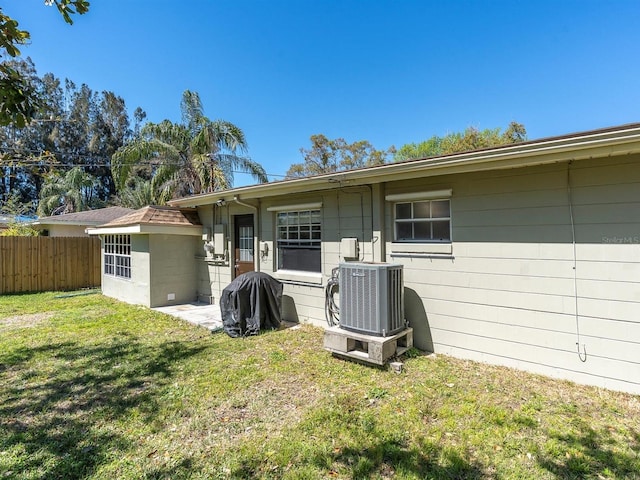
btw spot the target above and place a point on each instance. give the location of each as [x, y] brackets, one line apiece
[326, 156]
[18, 97]
[470, 139]
[91, 131]
[68, 193]
[74, 126]
[196, 156]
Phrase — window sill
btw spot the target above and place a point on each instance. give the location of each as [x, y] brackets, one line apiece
[117, 277]
[422, 248]
[299, 276]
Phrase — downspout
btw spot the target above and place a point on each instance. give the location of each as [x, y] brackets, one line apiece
[373, 251]
[256, 238]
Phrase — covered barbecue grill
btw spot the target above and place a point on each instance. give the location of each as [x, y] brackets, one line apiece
[250, 303]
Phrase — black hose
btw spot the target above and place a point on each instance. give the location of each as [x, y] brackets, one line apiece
[331, 309]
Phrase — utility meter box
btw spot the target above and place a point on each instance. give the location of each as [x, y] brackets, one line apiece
[349, 248]
[219, 239]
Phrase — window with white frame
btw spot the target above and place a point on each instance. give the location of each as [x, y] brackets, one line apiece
[117, 255]
[299, 240]
[423, 220]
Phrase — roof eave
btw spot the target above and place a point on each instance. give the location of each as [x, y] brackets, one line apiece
[146, 229]
[601, 143]
[71, 223]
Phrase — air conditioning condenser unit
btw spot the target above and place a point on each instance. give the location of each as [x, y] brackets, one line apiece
[372, 298]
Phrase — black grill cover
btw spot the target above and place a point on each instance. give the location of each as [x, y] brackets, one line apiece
[253, 301]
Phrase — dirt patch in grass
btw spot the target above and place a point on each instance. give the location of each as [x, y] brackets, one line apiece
[262, 410]
[29, 320]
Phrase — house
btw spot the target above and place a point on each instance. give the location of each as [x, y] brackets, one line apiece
[524, 255]
[75, 224]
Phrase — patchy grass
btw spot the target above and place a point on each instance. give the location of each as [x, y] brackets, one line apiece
[93, 388]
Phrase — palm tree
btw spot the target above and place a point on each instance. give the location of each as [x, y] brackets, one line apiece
[141, 193]
[73, 192]
[196, 156]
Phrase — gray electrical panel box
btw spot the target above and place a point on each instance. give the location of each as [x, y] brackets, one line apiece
[219, 239]
[349, 248]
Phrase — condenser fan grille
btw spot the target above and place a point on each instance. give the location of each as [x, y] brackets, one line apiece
[371, 298]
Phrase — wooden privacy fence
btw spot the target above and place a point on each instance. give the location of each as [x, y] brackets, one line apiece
[38, 264]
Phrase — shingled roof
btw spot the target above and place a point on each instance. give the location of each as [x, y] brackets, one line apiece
[158, 215]
[88, 217]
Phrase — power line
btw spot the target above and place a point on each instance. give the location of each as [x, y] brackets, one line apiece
[44, 155]
[35, 163]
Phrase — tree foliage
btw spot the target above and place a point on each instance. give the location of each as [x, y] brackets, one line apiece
[61, 161]
[73, 127]
[19, 101]
[140, 193]
[18, 214]
[169, 160]
[326, 156]
[470, 139]
[71, 192]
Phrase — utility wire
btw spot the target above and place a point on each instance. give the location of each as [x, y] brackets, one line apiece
[50, 159]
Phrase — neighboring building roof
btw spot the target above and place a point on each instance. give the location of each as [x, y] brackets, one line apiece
[88, 217]
[6, 220]
[620, 140]
[154, 219]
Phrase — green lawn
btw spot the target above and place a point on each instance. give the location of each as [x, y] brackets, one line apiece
[94, 388]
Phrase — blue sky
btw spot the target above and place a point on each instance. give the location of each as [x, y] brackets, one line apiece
[388, 71]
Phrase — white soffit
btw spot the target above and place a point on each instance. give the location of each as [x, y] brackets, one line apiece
[195, 230]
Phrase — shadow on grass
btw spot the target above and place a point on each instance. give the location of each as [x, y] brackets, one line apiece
[586, 452]
[386, 458]
[61, 403]
[381, 459]
[371, 453]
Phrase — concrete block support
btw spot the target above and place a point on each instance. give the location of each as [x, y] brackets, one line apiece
[367, 348]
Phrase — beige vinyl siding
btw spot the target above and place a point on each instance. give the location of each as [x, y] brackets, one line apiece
[303, 303]
[347, 215]
[507, 294]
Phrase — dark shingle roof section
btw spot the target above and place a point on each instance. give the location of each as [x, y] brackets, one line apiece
[156, 215]
[88, 217]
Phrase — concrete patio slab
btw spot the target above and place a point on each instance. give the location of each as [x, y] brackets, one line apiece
[202, 314]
